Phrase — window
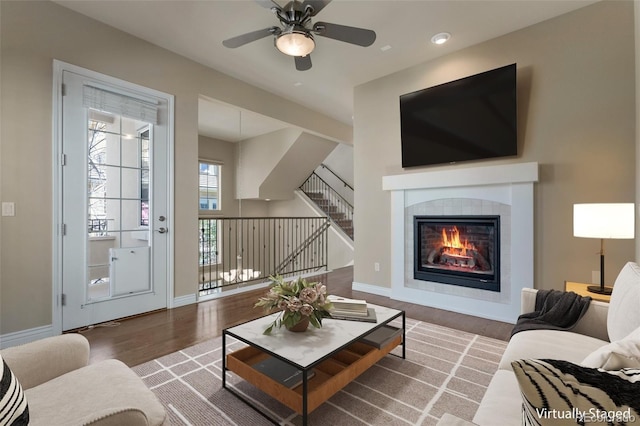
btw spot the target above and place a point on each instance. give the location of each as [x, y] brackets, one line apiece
[209, 186]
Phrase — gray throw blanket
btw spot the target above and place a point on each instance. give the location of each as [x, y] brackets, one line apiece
[555, 310]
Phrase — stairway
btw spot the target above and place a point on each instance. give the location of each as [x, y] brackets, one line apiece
[333, 212]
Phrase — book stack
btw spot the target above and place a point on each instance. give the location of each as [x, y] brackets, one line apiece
[351, 309]
[382, 336]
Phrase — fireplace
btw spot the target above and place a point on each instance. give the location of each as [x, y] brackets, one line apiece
[458, 250]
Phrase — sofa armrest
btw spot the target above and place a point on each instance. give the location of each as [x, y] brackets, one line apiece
[38, 362]
[593, 323]
[528, 300]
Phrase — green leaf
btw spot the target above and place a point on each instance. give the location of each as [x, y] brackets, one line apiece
[314, 321]
[268, 330]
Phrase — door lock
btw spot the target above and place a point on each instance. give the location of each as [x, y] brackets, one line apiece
[162, 230]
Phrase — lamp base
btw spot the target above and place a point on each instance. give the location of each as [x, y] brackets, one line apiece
[599, 290]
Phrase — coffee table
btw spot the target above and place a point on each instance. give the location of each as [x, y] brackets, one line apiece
[333, 352]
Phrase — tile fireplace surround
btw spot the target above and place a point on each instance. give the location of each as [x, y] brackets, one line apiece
[504, 190]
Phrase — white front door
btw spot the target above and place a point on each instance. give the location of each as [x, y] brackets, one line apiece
[115, 184]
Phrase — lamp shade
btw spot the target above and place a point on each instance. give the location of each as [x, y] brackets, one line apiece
[605, 220]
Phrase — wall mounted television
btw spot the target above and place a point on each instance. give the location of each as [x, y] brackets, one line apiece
[468, 119]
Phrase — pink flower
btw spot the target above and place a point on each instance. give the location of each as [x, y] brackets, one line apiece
[308, 295]
[294, 304]
[306, 310]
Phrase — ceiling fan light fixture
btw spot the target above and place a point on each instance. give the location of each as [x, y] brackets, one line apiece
[295, 41]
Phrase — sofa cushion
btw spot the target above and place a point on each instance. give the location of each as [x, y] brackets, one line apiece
[624, 315]
[105, 387]
[556, 393]
[538, 344]
[14, 410]
[501, 404]
[624, 353]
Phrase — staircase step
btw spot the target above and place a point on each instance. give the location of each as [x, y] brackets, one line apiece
[315, 195]
[331, 210]
[345, 224]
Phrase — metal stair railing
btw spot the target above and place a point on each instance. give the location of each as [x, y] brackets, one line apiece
[297, 256]
[339, 210]
[242, 251]
[324, 166]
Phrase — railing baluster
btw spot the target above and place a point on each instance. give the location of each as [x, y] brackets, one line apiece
[233, 250]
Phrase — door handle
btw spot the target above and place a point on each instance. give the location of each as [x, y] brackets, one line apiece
[163, 230]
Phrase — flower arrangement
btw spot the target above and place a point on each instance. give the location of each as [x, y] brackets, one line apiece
[296, 299]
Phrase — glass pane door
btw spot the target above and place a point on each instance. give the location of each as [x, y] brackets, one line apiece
[118, 206]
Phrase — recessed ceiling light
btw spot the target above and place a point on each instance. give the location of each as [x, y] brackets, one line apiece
[385, 48]
[440, 38]
[297, 84]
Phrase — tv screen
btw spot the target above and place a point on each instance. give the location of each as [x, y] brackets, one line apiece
[468, 119]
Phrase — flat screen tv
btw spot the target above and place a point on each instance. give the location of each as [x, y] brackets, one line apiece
[468, 119]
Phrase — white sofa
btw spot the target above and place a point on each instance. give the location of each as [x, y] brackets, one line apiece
[62, 390]
[602, 323]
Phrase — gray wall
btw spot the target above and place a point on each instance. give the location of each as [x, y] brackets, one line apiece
[576, 118]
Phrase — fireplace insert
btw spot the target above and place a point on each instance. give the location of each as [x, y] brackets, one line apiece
[458, 250]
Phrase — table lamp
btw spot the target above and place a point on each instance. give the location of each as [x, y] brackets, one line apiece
[608, 220]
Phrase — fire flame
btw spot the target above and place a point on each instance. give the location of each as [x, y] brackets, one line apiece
[452, 241]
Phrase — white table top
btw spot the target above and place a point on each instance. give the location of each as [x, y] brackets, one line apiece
[307, 347]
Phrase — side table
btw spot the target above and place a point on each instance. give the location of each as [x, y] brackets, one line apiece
[581, 289]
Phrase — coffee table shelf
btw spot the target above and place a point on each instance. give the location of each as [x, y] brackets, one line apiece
[331, 375]
[335, 353]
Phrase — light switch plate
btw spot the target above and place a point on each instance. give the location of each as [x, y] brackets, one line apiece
[8, 208]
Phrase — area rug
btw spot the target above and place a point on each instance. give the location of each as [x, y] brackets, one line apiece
[445, 371]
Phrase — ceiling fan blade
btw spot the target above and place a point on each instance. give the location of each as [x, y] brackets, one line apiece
[268, 4]
[243, 39]
[353, 35]
[317, 5]
[303, 63]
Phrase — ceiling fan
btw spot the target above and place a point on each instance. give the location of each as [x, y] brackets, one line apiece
[295, 35]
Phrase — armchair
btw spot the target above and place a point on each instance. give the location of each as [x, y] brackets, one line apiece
[62, 389]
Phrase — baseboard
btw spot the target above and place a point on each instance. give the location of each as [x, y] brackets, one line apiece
[25, 336]
[456, 309]
[184, 300]
[373, 289]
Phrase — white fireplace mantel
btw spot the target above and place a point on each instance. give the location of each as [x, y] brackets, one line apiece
[488, 175]
[509, 186]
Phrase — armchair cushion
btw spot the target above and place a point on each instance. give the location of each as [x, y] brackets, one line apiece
[13, 404]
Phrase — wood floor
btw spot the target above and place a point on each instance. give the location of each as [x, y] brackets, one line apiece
[140, 339]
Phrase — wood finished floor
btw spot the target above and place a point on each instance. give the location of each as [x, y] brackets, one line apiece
[140, 339]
